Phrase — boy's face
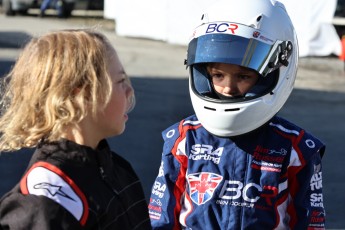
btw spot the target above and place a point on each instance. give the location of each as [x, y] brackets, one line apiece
[232, 80]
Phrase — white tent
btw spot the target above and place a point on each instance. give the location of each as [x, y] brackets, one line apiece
[173, 21]
[313, 23]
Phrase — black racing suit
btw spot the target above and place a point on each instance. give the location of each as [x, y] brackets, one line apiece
[70, 186]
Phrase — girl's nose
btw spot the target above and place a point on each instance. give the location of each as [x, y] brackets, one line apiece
[130, 97]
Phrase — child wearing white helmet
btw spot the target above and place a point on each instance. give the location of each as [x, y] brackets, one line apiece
[235, 164]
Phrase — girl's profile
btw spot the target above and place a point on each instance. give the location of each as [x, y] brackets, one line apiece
[66, 94]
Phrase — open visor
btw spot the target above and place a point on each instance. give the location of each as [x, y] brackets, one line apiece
[232, 49]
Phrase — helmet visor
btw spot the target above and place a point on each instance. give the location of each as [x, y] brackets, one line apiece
[237, 44]
[232, 49]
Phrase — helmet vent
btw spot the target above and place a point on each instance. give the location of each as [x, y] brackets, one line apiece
[204, 18]
[232, 110]
[257, 21]
[213, 109]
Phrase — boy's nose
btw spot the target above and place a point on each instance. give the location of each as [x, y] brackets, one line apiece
[231, 88]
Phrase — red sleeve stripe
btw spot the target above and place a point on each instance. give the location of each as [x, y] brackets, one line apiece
[25, 191]
[292, 172]
[179, 188]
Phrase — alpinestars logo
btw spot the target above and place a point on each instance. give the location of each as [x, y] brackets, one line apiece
[53, 190]
[202, 186]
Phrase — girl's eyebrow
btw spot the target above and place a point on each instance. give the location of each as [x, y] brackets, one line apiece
[123, 73]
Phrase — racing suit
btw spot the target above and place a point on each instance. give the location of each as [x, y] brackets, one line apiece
[270, 178]
[70, 186]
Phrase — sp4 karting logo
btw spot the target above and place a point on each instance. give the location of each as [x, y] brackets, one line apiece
[202, 186]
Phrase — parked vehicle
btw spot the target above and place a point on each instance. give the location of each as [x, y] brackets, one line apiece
[340, 9]
[11, 7]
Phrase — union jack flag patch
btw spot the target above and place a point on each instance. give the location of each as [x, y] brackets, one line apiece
[202, 186]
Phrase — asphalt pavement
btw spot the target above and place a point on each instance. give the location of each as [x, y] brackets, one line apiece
[161, 85]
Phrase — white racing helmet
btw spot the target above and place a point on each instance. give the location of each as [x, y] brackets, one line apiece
[255, 34]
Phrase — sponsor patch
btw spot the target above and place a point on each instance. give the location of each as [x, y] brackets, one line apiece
[202, 186]
[265, 159]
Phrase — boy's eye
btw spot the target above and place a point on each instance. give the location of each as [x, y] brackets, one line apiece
[244, 77]
[217, 75]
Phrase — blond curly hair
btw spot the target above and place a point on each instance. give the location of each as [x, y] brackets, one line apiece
[39, 97]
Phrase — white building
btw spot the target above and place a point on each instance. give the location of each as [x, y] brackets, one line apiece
[174, 20]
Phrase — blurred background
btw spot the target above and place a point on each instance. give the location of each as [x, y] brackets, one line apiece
[151, 37]
[62, 8]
